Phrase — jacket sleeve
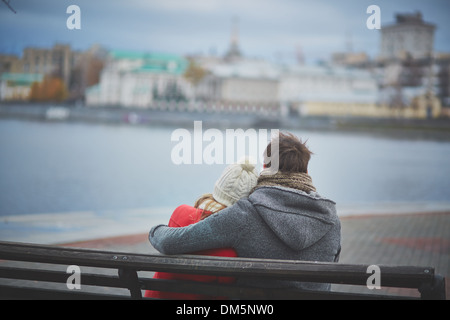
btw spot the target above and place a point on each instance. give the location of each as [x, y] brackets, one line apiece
[220, 230]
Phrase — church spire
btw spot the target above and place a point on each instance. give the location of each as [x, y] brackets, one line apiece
[234, 52]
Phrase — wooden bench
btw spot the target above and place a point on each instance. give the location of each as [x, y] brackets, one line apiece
[28, 271]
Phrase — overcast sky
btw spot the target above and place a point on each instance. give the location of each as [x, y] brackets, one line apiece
[271, 29]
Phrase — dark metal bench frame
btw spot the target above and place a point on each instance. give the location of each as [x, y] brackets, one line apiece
[430, 285]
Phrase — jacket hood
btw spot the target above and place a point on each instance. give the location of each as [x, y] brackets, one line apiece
[297, 218]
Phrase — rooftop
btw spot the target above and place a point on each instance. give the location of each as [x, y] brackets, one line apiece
[416, 19]
[21, 78]
[153, 62]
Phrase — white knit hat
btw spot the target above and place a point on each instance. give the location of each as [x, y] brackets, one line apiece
[236, 182]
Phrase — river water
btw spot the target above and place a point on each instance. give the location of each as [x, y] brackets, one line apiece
[58, 167]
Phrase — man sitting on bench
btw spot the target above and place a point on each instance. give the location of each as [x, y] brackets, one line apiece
[283, 218]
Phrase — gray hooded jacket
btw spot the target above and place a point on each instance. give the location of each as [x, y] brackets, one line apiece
[272, 223]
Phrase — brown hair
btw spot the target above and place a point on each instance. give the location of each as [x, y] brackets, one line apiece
[293, 154]
[210, 207]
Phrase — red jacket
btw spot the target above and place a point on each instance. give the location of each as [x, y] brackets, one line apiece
[183, 216]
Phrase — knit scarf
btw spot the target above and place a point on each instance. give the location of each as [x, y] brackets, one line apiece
[299, 181]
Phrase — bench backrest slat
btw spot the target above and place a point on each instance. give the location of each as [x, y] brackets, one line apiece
[24, 293]
[280, 269]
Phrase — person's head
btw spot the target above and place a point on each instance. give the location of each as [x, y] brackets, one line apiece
[236, 182]
[293, 154]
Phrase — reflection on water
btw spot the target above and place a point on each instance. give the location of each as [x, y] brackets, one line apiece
[62, 167]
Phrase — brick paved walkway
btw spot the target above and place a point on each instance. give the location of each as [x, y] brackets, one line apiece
[405, 239]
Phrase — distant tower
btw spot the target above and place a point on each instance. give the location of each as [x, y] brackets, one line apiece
[300, 57]
[410, 35]
[349, 42]
[234, 52]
